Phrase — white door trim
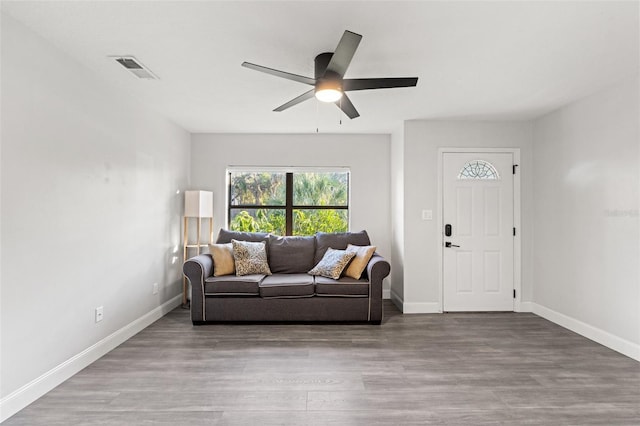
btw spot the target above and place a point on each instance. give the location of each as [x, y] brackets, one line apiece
[517, 245]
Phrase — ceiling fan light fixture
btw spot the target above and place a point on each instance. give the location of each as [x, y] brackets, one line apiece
[328, 91]
[328, 95]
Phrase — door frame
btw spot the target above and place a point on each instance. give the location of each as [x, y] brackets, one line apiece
[517, 240]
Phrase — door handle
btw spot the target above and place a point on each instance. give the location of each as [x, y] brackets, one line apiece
[448, 244]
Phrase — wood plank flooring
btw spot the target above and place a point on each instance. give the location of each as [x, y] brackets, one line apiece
[452, 369]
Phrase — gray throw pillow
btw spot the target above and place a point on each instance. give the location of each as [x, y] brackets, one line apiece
[333, 263]
[250, 257]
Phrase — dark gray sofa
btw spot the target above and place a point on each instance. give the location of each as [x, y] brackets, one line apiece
[290, 293]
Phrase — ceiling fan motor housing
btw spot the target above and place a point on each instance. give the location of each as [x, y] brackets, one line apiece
[326, 81]
[321, 62]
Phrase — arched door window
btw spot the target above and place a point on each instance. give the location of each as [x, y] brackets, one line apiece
[478, 169]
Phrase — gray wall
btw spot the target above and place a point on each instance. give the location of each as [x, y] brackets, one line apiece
[90, 209]
[366, 155]
[587, 220]
[422, 139]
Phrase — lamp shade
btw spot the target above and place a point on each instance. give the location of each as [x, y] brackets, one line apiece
[198, 204]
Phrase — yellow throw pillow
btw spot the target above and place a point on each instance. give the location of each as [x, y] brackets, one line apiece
[360, 261]
[223, 263]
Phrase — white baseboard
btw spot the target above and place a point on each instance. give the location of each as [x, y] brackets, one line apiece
[618, 344]
[421, 308]
[414, 308]
[33, 390]
[396, 299]
[386, 293]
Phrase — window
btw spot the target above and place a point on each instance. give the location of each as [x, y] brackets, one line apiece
[478, 169]
[291, 202]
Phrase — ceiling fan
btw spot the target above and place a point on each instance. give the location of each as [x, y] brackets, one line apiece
[329, 84]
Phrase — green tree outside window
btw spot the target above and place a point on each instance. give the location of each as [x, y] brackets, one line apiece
[291, 203]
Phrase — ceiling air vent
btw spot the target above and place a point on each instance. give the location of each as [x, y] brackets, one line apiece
[135, 67]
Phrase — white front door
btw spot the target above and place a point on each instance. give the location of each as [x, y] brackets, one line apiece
[478, 234]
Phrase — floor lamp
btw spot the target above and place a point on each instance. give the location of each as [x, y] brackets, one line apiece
[198, 205]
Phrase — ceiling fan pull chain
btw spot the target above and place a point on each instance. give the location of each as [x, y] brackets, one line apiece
[317, 116]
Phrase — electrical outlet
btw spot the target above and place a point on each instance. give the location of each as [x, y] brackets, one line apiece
[99, 313]
[155, 288]
[427, 214]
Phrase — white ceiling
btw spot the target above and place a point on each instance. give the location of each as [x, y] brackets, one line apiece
[478, 60]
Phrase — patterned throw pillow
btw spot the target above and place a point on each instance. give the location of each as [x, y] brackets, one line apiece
[223, 263]
[360, 261]
[250, 257]
[332, 263]
[338, 240]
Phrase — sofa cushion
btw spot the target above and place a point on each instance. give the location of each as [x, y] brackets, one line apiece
[225, 236]
[338, 240]
[223, 263]
[233, 285]
[360, 261]
[250, 257]
[345, 286]
[333, 263]
[287, 285]
[291, 255]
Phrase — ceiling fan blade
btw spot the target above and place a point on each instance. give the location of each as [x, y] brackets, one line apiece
[296, 101]
[377, 83]
[344, 103]
[278, 73]
[344, 53]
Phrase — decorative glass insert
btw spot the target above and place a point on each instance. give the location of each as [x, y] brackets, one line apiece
[478, 169]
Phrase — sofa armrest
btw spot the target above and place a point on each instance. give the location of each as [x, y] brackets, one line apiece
[196, 270]
[377, 269]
